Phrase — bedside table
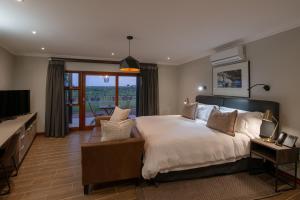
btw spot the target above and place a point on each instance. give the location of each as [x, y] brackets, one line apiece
[278, 155]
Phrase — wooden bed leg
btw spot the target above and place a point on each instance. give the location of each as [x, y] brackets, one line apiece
[154, 182]
[138, 182]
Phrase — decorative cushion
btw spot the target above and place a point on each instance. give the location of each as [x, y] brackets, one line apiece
[204, 110]
[189, 110]
[112, 130]
[249, 123]
[119, 114]
[224, 122]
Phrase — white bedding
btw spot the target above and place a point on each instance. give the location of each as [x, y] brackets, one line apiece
[175, 143]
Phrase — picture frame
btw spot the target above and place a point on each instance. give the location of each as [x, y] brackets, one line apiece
[232, 80]
[282, 136]
[290, 141]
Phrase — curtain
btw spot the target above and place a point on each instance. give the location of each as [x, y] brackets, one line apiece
[56, 121]
[148, 90]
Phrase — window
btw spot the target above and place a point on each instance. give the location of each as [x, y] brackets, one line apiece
[90, 94]
[100, 96]
[128, 93]
[72, 98]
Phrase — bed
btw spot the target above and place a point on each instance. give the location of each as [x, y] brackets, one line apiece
[177, 147]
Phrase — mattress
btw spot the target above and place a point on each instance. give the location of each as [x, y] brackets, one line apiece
[174, 143]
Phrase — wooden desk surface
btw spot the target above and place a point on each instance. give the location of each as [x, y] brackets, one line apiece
[10, 127]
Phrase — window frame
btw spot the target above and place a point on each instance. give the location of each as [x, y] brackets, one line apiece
[81, 92]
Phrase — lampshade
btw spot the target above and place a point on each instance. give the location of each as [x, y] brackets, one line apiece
[268, 116]
[130, 64]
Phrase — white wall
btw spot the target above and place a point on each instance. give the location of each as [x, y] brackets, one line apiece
[30, 74]
[168, 91]
[6, 69]
[190, 76]
[274, 61]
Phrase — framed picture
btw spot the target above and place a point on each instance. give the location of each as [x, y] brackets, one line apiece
[231, 80]
[281, 138]
[290, 141]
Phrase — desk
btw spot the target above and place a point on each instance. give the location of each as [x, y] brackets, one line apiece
[25, 127]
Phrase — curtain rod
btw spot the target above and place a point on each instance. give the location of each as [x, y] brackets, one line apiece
[94, 61]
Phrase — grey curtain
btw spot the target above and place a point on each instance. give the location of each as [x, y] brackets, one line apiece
[56, 123]
[148, 90]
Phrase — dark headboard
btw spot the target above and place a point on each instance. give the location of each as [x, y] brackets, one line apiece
[241, 103]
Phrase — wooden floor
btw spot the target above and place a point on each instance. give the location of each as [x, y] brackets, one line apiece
[51, 170]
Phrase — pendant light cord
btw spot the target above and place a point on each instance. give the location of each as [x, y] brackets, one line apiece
[129, 47]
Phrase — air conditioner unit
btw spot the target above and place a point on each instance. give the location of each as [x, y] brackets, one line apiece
[232, 55]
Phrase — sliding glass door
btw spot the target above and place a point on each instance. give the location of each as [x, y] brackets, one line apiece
[72, 98]
[100, 96]
[92, 94]
[127, 97]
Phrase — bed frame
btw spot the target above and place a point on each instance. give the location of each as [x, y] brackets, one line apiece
[227, 168]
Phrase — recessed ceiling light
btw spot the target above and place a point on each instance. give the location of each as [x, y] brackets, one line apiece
[112, 53]
[168, 58]
[43, 48]
[33, 32]
[20, 0]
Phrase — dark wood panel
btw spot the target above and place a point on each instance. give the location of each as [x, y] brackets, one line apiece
[94, 61]
[241, 103]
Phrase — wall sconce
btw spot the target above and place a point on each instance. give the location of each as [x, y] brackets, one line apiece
[265, 87]
[202, 87]
[186, 101]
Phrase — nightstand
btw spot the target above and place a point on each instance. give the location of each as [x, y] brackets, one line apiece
[278, 155]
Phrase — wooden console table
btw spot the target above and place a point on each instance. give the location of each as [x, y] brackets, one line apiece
[23, 126]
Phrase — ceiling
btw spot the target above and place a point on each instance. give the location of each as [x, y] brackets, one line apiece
[183, 30]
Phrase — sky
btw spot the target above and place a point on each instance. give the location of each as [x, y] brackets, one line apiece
[96, 80]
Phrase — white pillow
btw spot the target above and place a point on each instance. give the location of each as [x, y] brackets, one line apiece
[249, 123]
[226, 109]
[204, 110]
[111, 130]
[119, 114]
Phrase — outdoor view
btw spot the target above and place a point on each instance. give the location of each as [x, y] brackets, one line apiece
[100, 96]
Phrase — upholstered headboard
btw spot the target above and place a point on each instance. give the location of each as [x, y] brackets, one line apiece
[241, 103]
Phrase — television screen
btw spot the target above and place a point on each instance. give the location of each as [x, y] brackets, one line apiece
[14, 103]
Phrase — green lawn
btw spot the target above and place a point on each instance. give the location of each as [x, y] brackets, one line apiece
[99, 97]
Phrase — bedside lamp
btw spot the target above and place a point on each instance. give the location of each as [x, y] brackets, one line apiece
[268, 117]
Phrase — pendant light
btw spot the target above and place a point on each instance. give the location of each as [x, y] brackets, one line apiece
[130, 64]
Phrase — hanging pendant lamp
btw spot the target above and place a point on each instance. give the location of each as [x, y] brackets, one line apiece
[130, 64]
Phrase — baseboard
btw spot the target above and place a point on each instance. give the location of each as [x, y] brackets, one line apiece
[40, 133]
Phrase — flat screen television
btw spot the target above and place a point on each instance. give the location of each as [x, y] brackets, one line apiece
[14, 103]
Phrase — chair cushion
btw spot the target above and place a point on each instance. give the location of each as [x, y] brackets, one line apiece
[119, 114]
[116, 130]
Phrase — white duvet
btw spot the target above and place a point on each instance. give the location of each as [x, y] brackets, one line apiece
[175, 143]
